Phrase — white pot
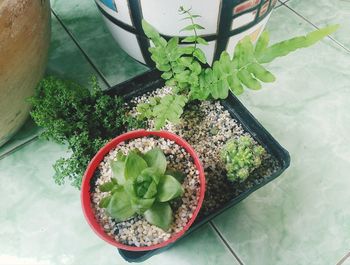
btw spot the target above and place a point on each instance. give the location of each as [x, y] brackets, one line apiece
[225, 21]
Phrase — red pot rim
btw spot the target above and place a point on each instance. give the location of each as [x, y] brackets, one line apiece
[93, 165]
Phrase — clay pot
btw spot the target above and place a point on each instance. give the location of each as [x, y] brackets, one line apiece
[24, 43]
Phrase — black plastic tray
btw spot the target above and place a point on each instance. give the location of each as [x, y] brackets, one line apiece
[150, 81]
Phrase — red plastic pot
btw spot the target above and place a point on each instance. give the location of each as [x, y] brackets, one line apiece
[93, 165]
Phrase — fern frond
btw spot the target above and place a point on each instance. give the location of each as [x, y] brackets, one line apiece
[184, 68]
[285, 47]
[246, 70]
[169, 108]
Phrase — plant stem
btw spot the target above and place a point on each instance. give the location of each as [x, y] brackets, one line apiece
[192, 22]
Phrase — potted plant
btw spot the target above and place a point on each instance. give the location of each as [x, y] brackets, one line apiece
[226, 22]
[186, 96]
[143, 190]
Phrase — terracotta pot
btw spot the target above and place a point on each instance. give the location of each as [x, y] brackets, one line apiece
[225, 21]
[24, 42]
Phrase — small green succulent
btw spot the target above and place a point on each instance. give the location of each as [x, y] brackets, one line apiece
[241, 157]
[142, 185]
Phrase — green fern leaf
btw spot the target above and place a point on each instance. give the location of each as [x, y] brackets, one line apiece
[199, 54]
[261, 73]
[285, 47]
[189, 39]
[192, 27]
[170, 108]
[149, 30]
[202, 41]
[248, 80]
[235, 84]
[262, 43]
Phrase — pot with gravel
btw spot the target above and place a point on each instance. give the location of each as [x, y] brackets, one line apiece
[143, 190]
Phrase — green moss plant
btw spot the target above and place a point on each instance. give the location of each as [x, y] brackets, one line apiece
[84, 119]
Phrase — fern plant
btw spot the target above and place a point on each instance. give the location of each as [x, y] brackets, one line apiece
[185, 68]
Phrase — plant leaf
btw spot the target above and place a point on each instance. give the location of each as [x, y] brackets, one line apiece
[192, 27]
[185, 61]
[248, 80]
[202, 41]
[172, 44]
[120, 206]
[118, 168]
[287, 46]
[105, 187]
[149, 30]
[104, 202]
[134, 165]
[169, 109]
[151, 192]
[141, 205]
[186, 50]
[191, 17]
[235, 84]
[169, 188]
[196, 68]
[167, 75]
[120, 156]
[245, 52]
[155, 158]
[160, 215]
[152, 173]
[163, 67]
[199, 54]
[189, 39]
[262, 43]
[261, 73]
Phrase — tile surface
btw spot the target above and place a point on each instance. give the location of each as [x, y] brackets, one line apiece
[42, 223]
[65, 59]
[26, 133]
[324, 12]
[302, 217]
[84, 21]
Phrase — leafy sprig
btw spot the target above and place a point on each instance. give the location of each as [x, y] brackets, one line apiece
[142, 185]
[186, 72]
[71, 114]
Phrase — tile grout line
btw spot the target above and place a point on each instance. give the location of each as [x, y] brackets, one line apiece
[343, 259]
[16, 148]
[280, 4]
[225, 243]
[315, 26]
[81, 49]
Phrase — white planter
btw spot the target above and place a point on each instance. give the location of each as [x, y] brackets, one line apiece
[225, 21]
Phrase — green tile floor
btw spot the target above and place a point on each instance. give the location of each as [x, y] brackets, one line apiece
[303, 217]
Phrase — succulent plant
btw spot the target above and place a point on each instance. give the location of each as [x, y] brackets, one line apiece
[241, 156]
[142, 185]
